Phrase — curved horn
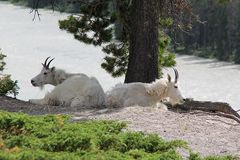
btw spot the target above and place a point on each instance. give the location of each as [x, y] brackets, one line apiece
[45, 63]
[49, 62]
[169, 78]
[176, 75]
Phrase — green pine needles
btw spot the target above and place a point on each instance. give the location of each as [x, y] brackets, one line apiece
[116, 60]
[165, 57]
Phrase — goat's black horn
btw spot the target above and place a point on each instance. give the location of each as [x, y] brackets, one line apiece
[176, 74]
[45, 63]
[49, 62]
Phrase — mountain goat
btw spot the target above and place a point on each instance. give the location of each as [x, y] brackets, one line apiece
[71, 89]
[145, 94]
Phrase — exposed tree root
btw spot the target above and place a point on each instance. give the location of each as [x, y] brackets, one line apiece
[227, 116]
[217, 108]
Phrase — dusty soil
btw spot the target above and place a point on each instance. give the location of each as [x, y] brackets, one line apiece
[206, 133]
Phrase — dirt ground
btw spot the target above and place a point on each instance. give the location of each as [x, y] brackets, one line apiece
[205, 133]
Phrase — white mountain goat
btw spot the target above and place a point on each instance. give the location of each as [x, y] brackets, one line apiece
[75, 90]
[145, 94]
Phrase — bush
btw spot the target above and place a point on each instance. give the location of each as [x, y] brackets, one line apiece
[67, 141]
[55, 137]
[7, 85]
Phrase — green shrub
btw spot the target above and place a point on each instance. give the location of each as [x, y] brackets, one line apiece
[107, 142]
[127, 141]
[66, 141]
[55, 137]
[196, 156]
[7, 86]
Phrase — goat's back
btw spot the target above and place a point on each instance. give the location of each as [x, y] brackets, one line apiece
[79, 87]
[128, 94]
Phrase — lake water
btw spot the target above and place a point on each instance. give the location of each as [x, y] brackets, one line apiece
[27, 43]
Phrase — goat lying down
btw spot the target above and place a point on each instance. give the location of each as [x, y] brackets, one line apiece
[75, 90]
[145, 94]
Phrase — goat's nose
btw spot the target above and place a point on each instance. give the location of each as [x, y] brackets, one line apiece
[32, 81]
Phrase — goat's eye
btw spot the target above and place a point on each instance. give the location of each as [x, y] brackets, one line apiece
[45, 73]
[175, 86]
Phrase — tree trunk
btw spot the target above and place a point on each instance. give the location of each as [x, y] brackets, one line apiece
[143, 41]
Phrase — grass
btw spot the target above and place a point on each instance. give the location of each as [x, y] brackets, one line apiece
[55, 137]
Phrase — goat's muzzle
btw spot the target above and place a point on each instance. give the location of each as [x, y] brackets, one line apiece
[33, 83]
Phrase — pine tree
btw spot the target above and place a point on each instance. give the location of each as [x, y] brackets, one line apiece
[133, 49]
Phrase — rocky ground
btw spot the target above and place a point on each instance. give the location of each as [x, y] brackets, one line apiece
[208, 134]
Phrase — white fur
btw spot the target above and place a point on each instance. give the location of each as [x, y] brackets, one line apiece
[143, 94]
[71, 89]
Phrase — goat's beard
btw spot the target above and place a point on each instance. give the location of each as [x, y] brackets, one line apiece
[41, 87]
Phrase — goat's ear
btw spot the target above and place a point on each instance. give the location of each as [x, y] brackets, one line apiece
[169, 78]
[52, 69]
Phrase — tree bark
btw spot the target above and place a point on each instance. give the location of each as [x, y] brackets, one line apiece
[143, 41]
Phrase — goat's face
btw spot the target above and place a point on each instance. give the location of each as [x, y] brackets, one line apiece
[45, 76]
[173, 92]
